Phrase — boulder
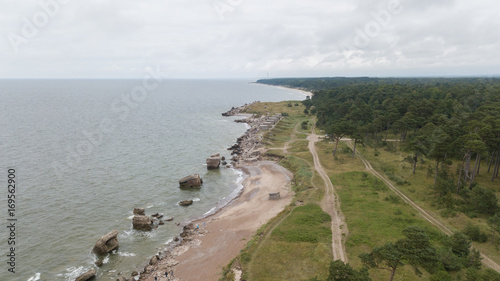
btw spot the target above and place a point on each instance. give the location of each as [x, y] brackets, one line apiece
[154, 260]
[169, 219]
[99, 262]
[139, 211]
[86, 276]
[191, 181]
[106, 243]
[185, 202]
[142, 223]
[213, 163]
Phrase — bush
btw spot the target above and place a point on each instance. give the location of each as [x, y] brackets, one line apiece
[483, 200]
[441, 276]
[473, 232]
[339, 271]
[393, 199]
[450, 261]
[304, 125]
[347, 150]
[460, 244]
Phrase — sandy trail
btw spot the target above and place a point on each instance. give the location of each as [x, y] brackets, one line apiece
[221, 237]
[486, 260]
[330, 205]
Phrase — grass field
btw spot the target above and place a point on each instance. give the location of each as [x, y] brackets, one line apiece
[419, 188]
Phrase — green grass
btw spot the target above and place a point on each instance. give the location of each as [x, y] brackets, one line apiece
[299, 146]
[299, 248]
[307, 223]
[420, 189]
[374, 220]
[301, 170]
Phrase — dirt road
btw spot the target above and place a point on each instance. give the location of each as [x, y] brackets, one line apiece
[330, 205]
[486, 260]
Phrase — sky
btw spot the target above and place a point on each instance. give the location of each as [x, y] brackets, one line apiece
[249, 38]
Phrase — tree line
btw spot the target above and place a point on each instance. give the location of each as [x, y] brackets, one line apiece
[437, 118]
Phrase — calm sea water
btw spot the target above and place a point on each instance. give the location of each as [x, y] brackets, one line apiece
[86, 152]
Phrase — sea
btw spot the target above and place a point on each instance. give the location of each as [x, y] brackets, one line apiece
[85, 153]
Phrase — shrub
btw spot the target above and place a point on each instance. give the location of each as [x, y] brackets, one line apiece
[393, 199]
[473, 232]
[483, 200]
[441, 276]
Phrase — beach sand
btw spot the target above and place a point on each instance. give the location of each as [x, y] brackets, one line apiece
[222, 236]
[305, 92]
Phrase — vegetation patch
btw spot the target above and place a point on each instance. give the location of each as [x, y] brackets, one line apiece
[307, 223]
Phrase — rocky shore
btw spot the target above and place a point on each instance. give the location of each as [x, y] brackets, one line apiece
[248, 148]
[246, 151]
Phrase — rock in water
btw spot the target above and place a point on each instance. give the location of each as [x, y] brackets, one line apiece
[185, 202]
[99, 262]
[213, 163]
[191, 181]
[106, 244]
[86, 276]
[142, 223]
[139, 211]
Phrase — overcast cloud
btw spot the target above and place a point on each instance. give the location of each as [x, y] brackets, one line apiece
[249, 38]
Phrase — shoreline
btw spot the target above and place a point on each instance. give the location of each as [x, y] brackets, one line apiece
[210, 242]
[303, 91]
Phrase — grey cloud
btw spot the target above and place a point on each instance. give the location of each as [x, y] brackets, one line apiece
[289, 37]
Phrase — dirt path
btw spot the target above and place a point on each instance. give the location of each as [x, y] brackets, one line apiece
[486, 260]
[286, 145]
[330, 205]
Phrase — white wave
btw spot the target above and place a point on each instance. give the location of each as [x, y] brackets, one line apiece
[196, 199]
[131, 217]
[105, 260]
[211, 211]
[169, 241]
[150, 206]
[73, 272]
[241, 176]
[125, 254]
[36, 277]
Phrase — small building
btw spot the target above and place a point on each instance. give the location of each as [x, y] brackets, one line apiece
[274, 196]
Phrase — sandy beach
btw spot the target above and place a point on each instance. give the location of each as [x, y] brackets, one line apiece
[211, 243]
[307, 93]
